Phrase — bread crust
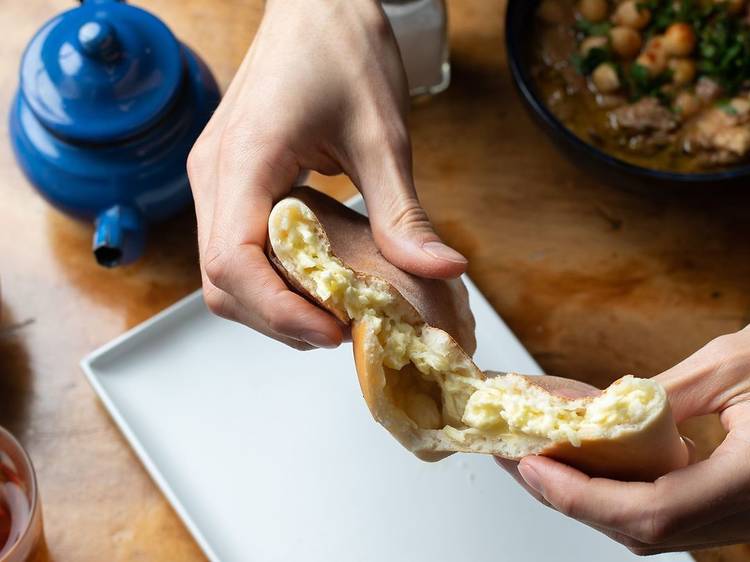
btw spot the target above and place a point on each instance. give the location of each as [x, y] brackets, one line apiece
[440, 303]
[641, 455]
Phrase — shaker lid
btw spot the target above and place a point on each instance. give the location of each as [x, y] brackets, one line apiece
[101, 72]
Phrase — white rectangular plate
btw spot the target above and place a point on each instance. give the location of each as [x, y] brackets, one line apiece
[268, 454]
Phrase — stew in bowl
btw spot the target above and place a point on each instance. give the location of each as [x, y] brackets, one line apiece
[661, 84]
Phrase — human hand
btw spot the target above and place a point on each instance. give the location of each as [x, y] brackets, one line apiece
[704, 505]
[321, 88]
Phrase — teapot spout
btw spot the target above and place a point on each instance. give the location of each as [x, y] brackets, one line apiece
[119, 236]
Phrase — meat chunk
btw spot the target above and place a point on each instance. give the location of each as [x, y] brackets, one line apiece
[644, 116]
[721, 135]
[557, 48]
[734, 139]
[707, 90]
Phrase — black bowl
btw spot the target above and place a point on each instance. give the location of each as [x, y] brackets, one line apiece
[518, 25]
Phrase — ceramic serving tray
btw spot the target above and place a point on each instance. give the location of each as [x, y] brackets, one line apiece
[270, 455]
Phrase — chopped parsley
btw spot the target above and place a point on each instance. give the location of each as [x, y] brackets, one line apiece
[722, 52]
[665, 13]
[587, 64]
[642, 84]
[591, 29]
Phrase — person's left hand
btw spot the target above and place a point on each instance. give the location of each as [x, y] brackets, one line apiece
[704, 505]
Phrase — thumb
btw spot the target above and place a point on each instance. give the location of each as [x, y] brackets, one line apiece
[707, 381]
[400, 225]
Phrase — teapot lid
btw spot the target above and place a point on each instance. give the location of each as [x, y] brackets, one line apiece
[101, 72]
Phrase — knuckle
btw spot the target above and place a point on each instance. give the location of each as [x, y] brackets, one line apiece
[260, 157]
[408, 214]
[197, 159]
[662, 529]
[656, 527]
[377, 22]
[730, 351]
[567, 504]
[217, 266]
[724, 345]
[233, 149]
[278, 321]
[282, 314]
[216, 301]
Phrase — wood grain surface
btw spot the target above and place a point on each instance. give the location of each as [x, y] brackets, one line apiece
[595, 281]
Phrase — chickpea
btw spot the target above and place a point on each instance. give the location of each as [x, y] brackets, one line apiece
[551, 12]
[654, 56]
[687, 104]
[741, 106]
[593, 43]
[683, 71]
[630, 15]
[708, 90]
[593, 10]
[679, 39]
[605, 78]
[626, 41]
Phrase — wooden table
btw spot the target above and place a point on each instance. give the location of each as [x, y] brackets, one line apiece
[595, 281]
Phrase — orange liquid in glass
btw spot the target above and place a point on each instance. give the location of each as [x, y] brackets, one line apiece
[15, 510]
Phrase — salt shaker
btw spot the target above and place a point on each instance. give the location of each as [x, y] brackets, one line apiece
[421, 30]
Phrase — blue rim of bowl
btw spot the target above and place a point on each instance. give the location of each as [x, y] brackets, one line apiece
[514, 45]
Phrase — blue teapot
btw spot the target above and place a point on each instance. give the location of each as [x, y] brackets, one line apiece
[108, 107]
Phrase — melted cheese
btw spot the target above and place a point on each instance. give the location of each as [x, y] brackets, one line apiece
[509, 404]
[499, 406]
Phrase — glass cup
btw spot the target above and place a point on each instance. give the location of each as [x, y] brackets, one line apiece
[21, 529]
[421, 30]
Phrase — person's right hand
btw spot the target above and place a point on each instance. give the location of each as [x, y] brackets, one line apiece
[703, 505]
[321, 88]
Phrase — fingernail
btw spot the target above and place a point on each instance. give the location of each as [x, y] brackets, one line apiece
[531, 477]
[440, 251]
[318, 339]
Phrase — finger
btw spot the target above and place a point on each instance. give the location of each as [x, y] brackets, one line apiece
[651, 550]
[234, 259]
[710, 379]
[511, 467]
[650, 512]
[400, 225]
[730, 530]
[224, 305]
[269, 306]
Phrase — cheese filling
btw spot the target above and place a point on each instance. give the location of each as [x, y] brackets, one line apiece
[510, 404]
[467, 405]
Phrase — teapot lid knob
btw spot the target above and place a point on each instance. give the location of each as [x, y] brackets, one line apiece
[99, 39]
[102, 72]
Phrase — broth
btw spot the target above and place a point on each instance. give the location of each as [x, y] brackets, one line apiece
[610, 100]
